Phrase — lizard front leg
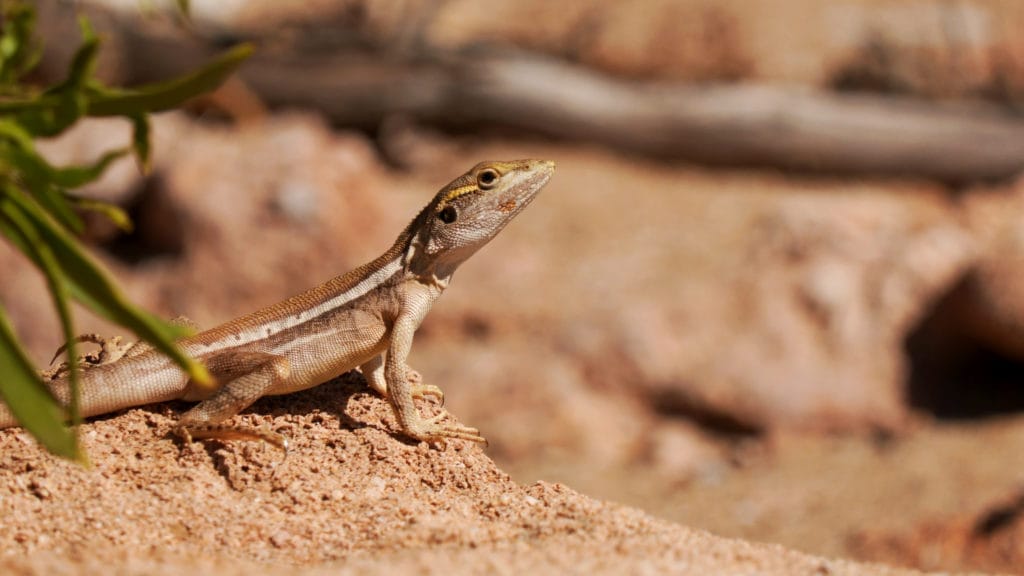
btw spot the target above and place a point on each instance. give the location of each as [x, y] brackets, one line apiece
[399, 392]
[243, 378]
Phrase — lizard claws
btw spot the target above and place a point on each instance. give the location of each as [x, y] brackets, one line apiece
[111, 349]
[224, 432]
[431, 430]
[421, 391]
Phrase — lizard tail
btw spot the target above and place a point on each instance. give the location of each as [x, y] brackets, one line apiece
[144, 379]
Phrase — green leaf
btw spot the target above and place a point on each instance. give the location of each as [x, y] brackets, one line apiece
[67, 101]
[35, 166]
[75, 176]
[29, 400]
[19, 53]
[35, 176]
[25, 395]
[35, 173]
[16, 134]
[41, 253]
[41, 114]
[55, 203]
[45, 181]
[113, 213]
[83, 65]
[171, 94]
[140, 141]
[35, 105]
[88, 284]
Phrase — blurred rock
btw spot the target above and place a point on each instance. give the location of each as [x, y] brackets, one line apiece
[832, 285]
[990, 540]
[993, 307]
[680, 450]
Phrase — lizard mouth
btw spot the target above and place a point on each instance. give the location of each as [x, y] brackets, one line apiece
[513, 203]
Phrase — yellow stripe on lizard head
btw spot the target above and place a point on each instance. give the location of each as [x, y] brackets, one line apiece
[455, 193]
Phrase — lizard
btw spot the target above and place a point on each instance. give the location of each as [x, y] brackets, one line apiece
[363, 319]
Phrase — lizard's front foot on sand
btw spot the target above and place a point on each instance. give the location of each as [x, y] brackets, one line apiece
[432, 430]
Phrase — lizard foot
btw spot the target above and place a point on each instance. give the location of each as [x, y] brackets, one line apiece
[432, 430]
[226, 432]
[420, 390]
[111, 350]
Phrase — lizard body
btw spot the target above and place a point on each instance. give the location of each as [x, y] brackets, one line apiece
[363, 319]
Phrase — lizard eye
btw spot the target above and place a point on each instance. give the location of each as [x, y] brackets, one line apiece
[486, 178]
[448, 215]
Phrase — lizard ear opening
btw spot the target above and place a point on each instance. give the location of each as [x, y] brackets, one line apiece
[448, 215]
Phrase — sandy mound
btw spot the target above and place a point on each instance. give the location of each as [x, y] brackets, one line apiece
[349, 496]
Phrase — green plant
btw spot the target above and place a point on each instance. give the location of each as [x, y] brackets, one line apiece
[39, 210]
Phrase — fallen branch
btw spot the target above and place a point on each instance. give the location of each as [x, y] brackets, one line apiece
[737, 125]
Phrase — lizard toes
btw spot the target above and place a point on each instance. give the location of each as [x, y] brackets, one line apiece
[432, 430]
[421, 391]
[227, 432]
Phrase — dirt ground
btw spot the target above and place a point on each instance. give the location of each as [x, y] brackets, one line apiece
[349, 498]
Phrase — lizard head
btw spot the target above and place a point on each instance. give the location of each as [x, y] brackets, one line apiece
[471, 210]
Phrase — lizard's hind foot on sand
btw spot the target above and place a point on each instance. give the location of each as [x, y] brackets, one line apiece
[228, 432]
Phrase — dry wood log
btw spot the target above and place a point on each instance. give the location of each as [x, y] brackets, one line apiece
[737, 125]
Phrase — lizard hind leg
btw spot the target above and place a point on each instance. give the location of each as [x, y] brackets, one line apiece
[243, 378]
[112, 349]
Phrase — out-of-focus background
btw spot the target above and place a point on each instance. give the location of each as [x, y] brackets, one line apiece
[774, 290]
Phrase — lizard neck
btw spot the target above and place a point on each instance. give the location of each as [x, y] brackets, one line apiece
[418, 266]
[432, 268]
